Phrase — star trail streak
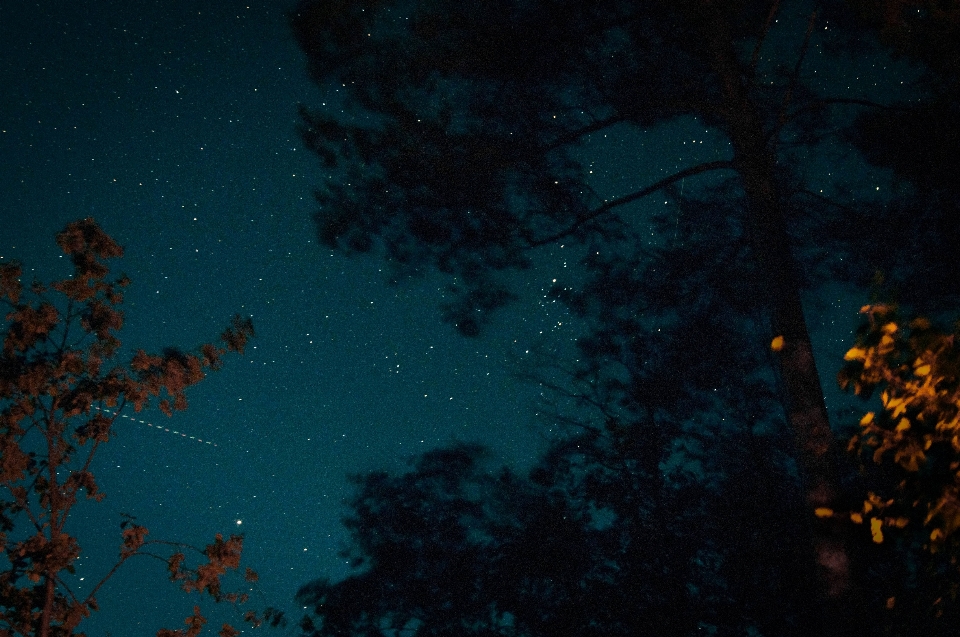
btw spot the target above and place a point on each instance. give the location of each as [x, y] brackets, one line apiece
[159, 427]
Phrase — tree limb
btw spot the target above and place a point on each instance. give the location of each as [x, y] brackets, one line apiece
[649, 190]
[755, 57]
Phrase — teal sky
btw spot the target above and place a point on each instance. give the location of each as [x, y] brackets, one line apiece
[174, 127]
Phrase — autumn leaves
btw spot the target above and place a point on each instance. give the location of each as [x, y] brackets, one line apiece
[56, 365]
[916, 435]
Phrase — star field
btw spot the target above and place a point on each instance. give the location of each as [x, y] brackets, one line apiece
[174, 127]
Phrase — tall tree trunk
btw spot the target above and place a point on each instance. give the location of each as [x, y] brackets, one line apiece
[806, 412]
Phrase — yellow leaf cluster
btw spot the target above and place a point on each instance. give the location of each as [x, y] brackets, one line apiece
[872, 510]
[919, 423]
[855, 354]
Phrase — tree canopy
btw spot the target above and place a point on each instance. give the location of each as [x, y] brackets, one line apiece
[453, 139]
[609, 535]
[576, 547]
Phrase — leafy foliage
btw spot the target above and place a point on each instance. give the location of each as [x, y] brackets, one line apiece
[669, 487]
[908, 457]
[587, 543]
[460, 135]
[917, 432]
[60, 394]
[619, 526]
[459, 141]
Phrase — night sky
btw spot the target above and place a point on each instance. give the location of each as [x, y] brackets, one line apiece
[173, 124]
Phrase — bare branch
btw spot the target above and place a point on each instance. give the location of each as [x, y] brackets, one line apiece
[640, 194]
[573, 136]
[788, 95]
[820, 103]
[755, 57]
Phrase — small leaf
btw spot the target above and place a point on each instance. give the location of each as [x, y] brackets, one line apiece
[777, 344]
[875, 530]
[867, 419]
[855, 354]
[891, 403]
[856, 518]
[923, 370]
[903, 425]
[899, 406]
[823, 512]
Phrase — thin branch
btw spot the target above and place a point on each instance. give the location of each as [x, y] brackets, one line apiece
[60, 584]
[75, 488]
[788, 95]
[91, 595]
[176, 545]
[649, 190]
[25, 505]
[35, 518]
[124, 558]
[677, 106]
[826, 200]
[67, 322]
[820, 103]
[586, 130]
[755, 58]
[850, 100]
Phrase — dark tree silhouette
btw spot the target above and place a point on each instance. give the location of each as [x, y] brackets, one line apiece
[609, 534]
[581, 546]
[453, 146]
[668, 506]
[909, 233]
